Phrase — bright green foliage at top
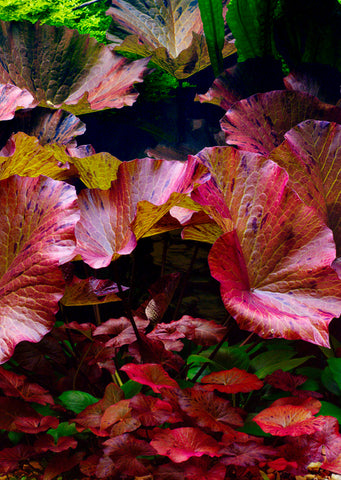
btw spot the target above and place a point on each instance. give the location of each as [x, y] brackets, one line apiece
[90, 19]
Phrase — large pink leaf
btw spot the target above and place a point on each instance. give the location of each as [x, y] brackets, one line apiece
[312, 157]
[289, 420]
[12, 98]
[145, 189]
[274, 268]
[37, 220]
[64, 69]
[170, 32]
[183, 443]
[258, 123]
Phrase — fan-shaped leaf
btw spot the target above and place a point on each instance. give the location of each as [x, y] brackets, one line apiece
[258, 123]
[64, 69]
[232, 381]
[11, 99]
[37, 222]
[271, 282]
[289, 420]
[182, 443]
[150, 374]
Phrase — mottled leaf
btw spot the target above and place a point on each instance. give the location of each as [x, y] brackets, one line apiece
[13, 98]
[37, 235]
[312, 157]
[90, 291]
[246, 454]
[145, 190]
[182, 443]
[170, 32]
[271, 281]
[289, 420]
[258, 123]
[64, 69]
[119, 419]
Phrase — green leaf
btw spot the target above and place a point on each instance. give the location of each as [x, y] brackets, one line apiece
[131, 388]
[330, 409]
[335, 368]
[251, 428]
[251, 23]
[64, 429]
[76, 401]
[211, 12]
[267, 359]
[285, 365]
[329, 382]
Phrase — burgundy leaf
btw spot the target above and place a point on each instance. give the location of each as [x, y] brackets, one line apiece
[285, 380]
[12, 410]
[246, 454]
[182, 443]
[204, 468]
[152, 411]
[15, 385]
[169, 335]
[38, 217]
[258, 123]
[288, 420]
[11, 457]
[60, 463]
[12, 98]
[200, 331]
[124, 450]
[209, 410]
[35, 424]
[119, 418]
[150, 374]
[231, 381]
[46, 443]
[121, 330]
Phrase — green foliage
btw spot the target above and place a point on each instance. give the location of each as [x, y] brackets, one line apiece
[88, 20]
[211, 12]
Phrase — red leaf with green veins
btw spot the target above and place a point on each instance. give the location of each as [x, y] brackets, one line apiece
[13, 98]
[64, 69]
[14, 385]
[271, 280]
[37, 221]
[151, 374]
[145, 189]
[231, 381]
[183, 443]
[289, 420]
[258, 123]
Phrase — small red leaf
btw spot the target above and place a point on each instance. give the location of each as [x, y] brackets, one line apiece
[15, 385]
[151, 374]
[119, 418]
[10, 457]
[232, 381]
[182, 443]
[288, 420]
[46, 443]
[246, 454]
[285, 380]
[60, 463]
[152, 411]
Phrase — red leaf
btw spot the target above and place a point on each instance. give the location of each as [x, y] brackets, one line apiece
[151, 374]
[246, 454]
[121, 330]
[288, 420]
[204, 468]
[11, 457]
[60, 463]
[169, 335]
[37, 235]
[182, 443]
[309, 403]
[152, 411]
[36, 424]
[271, 280]
[46, 443]
[125, 450]
[209, 410]
[200, 331]
[15, 385]
[232, 381]
[285, 380]
[119, 417]
[14, 409]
